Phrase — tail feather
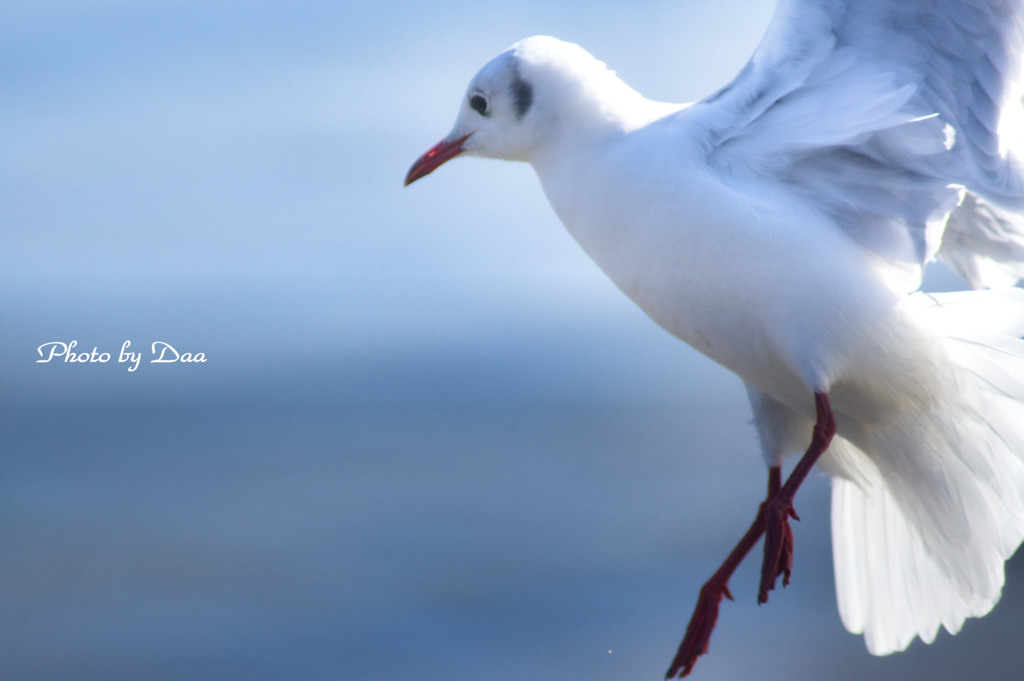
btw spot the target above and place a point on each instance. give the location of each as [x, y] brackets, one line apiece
[928, 504]
[889, 588]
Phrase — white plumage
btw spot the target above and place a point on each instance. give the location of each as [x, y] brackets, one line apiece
[781, 225]
[927, 504]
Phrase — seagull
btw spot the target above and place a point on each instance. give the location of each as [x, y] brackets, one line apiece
[781, 227]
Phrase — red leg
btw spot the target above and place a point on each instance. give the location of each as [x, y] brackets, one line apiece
[778, 536]
[773, 521]
[705, 615]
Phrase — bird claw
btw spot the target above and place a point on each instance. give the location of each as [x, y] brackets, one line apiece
[778, 546]
[698, 632]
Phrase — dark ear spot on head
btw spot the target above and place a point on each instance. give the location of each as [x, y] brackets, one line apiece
[522, 96]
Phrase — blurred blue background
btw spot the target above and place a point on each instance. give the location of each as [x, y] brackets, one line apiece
[430, 439]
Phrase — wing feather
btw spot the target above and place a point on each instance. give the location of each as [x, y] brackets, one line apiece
[918, 92]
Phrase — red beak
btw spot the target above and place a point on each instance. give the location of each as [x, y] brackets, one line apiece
[435, 156]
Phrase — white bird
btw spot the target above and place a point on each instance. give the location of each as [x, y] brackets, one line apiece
[780, 226]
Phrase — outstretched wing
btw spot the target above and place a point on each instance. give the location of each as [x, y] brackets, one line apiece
[883, 113]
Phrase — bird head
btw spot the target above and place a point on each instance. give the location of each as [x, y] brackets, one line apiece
[494, 118]
[517, 101]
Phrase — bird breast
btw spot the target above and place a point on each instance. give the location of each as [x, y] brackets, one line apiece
[762, 284]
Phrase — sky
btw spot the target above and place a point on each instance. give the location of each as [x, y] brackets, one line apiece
[428, 436]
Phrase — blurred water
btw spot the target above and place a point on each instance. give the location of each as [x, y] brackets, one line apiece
[544, 507]
[429, 438]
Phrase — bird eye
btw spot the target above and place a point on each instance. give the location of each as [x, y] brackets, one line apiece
[479, 104]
